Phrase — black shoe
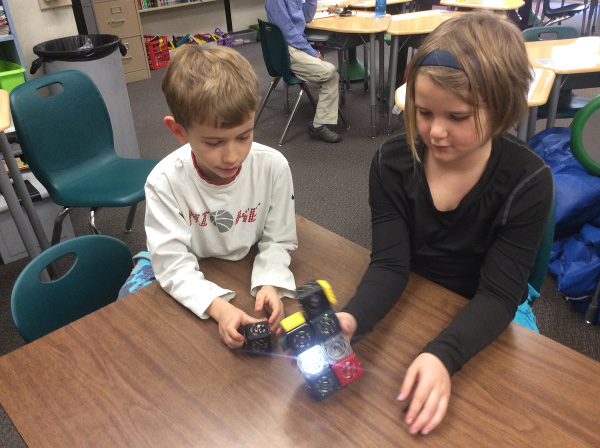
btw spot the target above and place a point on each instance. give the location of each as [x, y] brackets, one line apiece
[324, 133]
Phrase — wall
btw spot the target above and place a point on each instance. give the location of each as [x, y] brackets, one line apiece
[34, 26]
[201, 17]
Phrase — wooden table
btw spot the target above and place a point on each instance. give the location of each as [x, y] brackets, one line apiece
[370, 4]
[517, 10]
[538, 95]
[146, 372]
[409, 26]
[361, 22]
[495, 5]
[564, 57]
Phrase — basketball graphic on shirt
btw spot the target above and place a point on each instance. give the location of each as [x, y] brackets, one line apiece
[222, 220]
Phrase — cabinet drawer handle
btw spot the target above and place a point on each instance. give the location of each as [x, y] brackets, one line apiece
[126, 58]
[116, 10]
[117, 21]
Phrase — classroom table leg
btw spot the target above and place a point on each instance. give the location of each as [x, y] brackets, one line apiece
[392, 80]
[522, 128]
[381, 72]
[343, 75]
[373, 83]
[553, 100]
[531, 123]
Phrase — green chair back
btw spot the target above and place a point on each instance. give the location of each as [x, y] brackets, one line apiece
[275, 52]
[102, 265]
[551, 32]
[67, 140]
[585, 144]
[540, 267]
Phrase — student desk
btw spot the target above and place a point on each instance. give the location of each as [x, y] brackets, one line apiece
[361, 23]
[517, 10]
[411, 26]
[370, 4]
[495, 5]
[564, 57]
[538, 95]
[144, 371]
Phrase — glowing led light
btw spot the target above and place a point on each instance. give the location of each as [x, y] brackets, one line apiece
[312, 361]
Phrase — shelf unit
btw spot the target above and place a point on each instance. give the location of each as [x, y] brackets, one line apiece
[173, 5]
[10, 49]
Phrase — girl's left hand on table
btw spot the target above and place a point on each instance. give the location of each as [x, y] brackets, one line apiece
[429, 382]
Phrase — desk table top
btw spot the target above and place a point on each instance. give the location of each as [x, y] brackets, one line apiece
[495, 5]
[359, 22]
[145, 371]
[422, 22]
[538, 93]
[364, 4]
[564, 56]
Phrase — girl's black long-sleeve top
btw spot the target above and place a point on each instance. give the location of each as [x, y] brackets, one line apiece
[483, 250]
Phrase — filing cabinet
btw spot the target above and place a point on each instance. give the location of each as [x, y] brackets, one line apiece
[120, 17]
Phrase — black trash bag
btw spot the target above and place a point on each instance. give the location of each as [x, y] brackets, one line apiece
[85, 47]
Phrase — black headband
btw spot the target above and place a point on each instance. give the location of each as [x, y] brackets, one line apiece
[441, 58]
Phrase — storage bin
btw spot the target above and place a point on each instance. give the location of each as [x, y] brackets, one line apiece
[157, 51]
[11, 75]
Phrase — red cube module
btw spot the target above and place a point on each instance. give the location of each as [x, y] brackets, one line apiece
[347, 369]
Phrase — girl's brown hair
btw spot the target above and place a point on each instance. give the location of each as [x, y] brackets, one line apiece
[495, 74]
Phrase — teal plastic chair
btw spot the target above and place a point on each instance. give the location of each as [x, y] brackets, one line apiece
[101, 266]
[585, 146]
[67, 140]
[277, 61]
[569, 103]
[540, 267]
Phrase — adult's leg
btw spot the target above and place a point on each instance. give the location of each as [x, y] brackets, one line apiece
[322, 73]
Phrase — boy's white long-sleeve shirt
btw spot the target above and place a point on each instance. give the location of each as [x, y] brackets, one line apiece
[188, 218]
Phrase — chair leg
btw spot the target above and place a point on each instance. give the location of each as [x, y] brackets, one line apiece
[274, 83]
[92, 222]
[311, 98]
[130, 218]
[292, 115]
[58, 225]
[343, 117]
[286, 99]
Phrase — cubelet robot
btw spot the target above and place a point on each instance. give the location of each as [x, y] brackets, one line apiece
[323, 352]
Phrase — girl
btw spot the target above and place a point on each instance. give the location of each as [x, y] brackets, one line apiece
[456, 200]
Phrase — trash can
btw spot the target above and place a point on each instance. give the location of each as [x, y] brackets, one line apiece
[98, 56]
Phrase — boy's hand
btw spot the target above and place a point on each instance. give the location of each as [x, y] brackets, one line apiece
[230, 319]
[347, 324]
[267, 295]
[430, 380]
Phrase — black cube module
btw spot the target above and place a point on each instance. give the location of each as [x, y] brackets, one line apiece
[257, 337]
[316, 298]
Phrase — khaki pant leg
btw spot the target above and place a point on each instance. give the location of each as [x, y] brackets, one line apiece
[324, 74]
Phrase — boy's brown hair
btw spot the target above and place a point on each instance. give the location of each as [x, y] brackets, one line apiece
[495, 74]
[214, 85]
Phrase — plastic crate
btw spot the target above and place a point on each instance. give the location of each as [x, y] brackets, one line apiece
[11, 75]
[223, 41]
[157, 51]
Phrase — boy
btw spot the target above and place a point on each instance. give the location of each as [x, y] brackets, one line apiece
[220, 193]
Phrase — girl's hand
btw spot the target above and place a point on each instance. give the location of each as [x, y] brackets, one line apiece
[230, 319]
[347, 324]
[267, 295]
[431, 383]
